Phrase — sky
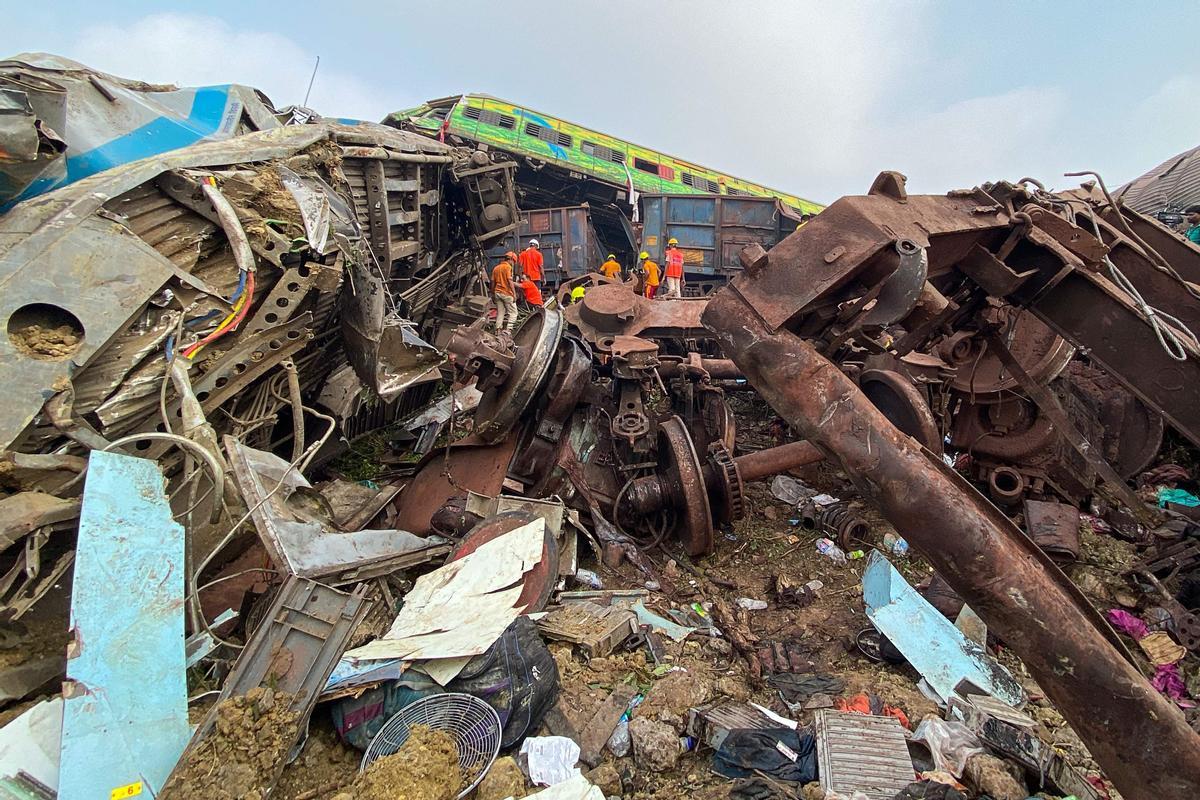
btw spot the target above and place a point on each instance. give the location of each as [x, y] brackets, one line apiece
[810, 98]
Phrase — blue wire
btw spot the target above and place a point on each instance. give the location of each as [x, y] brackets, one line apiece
[241, 286]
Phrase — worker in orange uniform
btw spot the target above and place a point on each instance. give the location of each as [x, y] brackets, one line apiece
[503, 293]
[610, 268]
[674, 259]
[531, 262]
[650, 271]
[533, 295]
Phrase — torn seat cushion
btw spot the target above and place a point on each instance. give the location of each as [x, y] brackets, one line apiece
[358, 719]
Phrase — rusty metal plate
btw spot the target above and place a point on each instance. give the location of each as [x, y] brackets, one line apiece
[473, 465]
[1054, 527]
[538, 582]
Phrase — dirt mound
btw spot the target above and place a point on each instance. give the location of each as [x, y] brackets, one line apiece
[240, 758]
[424, 768]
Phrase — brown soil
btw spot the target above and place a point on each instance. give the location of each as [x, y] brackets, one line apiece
[241, 756]
[46, 343]
[424, 768]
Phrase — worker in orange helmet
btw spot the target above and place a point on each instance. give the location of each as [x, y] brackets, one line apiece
[650, 270]
[531, 261]
[533, 295]
[674, 259]
[610, 268]
[504, 295]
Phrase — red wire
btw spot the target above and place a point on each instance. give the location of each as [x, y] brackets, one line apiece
[217, 334]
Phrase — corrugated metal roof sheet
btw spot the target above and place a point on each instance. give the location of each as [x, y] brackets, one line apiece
[862, 752]
[1174, 184]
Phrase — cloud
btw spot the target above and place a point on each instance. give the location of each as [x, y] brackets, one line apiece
[195, 50]
[1003, 136]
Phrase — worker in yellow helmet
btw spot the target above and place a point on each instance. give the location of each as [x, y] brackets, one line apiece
[610, 268]
[650, 270]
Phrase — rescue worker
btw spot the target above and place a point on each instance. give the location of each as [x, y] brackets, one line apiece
[504, 296]
[531, 262]
[577, 293]
[1192, 215]
[674, 259]
[610, 268]
[533, 295]
[650, 270]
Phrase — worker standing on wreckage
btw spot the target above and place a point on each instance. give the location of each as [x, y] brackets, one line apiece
[504, 296]
[674, 259]
[531, 262]
[650, 270]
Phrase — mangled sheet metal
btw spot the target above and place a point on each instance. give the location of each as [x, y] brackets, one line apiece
[220, 266]
[296, 527]
[462, 608]
[930, 642]
[125, 697]
[65, 121]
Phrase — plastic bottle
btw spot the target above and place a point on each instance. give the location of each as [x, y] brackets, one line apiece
[827, 548]
[619, 743]
[589, 578]
[895, 544]
[751, 604]
[687, 744]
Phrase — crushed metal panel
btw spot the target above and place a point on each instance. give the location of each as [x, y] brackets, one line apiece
[860, 752]
[80, 291]
[293, 651]
[126, 689]
[929, 641]
[307, 546]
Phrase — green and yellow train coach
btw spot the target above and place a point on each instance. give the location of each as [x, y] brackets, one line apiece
[532, 134]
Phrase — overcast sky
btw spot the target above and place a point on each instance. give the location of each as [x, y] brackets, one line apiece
[814, 98]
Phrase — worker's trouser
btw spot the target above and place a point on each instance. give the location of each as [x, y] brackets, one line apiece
[651, 288]
[672, 287]
[506, 312]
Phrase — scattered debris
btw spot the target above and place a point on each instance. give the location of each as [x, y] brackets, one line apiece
[284, 426]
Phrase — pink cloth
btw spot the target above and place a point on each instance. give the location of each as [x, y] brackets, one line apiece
[1127, 623]
[1169, 681]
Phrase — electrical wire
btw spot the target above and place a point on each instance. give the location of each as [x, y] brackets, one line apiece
[307, 455]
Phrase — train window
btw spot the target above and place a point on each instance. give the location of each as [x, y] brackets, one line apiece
[490, 117]
[601, 152]
[645, 166]
[732, 192]
[666, 173]
[703, 184]
[547, 134]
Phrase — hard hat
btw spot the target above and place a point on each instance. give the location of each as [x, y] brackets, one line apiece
[672, 240]
[643, 255]
[611, 257]
[510, 255]
[534, 243]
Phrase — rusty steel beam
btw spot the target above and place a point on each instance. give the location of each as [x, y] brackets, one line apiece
[774, 460]
[1140, 739]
